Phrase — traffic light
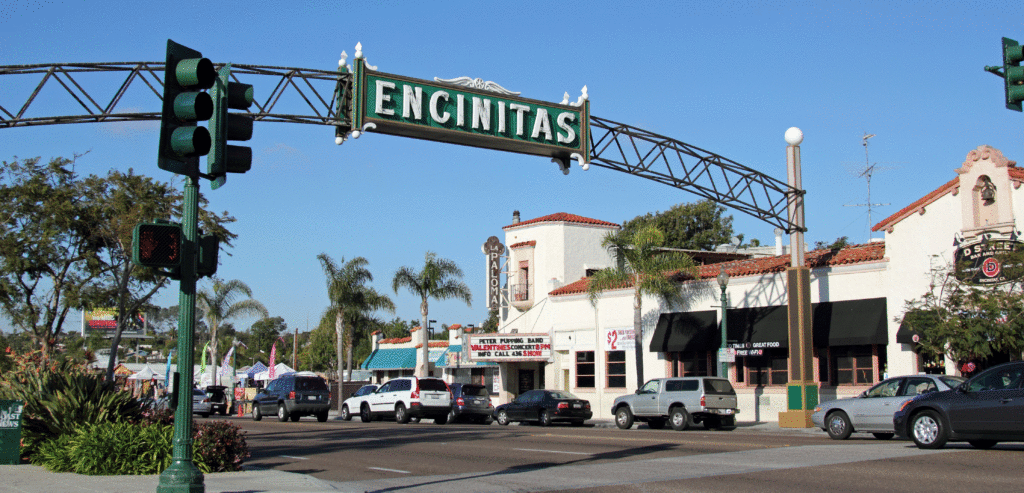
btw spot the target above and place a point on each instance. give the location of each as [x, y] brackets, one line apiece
[224, 126]
[1013, 74]
[186, 73]
[157, 244]
[206, 261]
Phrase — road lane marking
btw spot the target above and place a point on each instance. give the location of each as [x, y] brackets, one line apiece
[389, 470]
[293, 457]
[552, 451]
[683, 440]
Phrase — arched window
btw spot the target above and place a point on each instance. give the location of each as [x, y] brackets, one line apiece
[986, 207]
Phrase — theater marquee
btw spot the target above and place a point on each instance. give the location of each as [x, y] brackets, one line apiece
[509, 347]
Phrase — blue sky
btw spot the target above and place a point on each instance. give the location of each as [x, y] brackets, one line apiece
[728, 77]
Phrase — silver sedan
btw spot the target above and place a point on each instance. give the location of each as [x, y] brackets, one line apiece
[872, 410]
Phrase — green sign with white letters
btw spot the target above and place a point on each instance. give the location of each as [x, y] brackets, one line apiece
[469, 115]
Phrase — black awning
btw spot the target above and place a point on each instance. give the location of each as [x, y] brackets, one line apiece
[762, 327]
[686, 331]
[912, 319]
[906, 336]
[850, 323]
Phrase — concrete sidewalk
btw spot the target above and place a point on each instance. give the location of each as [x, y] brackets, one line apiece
[34, 479]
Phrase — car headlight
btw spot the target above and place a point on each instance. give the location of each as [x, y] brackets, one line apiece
[817, 409]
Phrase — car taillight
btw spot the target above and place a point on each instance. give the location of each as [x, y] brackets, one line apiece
[416, 391]
[586, 405]
[460, 401]
[291, 395]
[563, 405]
[702, 401]
[206, 400]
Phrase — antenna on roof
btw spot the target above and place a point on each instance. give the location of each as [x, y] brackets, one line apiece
[869, 169]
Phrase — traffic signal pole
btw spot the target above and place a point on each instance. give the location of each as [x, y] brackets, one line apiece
[183, 475]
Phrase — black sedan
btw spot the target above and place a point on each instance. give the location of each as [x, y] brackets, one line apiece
[985, 410]
[544, 407]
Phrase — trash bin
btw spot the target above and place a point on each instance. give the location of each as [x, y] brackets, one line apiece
[10, 432]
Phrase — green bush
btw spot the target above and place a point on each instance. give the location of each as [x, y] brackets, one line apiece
[59, 396]
[124, 448]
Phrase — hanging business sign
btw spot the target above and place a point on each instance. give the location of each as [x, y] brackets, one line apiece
[510, 347]
[619, 339]
[104, 320]
[989, 260]
[469, 112]
[493, 249]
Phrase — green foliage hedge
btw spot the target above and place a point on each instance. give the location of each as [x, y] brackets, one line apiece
[124, 448]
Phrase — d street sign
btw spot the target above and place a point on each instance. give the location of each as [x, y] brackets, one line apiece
[989, 260]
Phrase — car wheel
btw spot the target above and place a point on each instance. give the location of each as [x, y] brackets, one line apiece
[364, 414]
[224, 411]
[578, 422]
[282, 413]
[656, 424]
[928, 431]
[401, 415]
[503, 418]
[838, 426]
[294, 417]
[624, 418]
[727, 423]
[256, 414]
[544, 419]
[884, 436]
[442, 420]
[345, 415]
[712, 423]
[679, 418]
[451, 416]
[322, 417]
[982, 444]
[205, 415]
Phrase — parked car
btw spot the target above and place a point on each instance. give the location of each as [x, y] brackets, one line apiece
[218, 399]
[470, 402]
[201, 403]
[680, 401]
[356, 400]
[872, 410]
[407, 398]
[985, 410]
[292, 396]
[544, 407]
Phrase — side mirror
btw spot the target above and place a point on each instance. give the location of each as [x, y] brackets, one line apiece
[637, 391]
[863, 394]
[353, 394]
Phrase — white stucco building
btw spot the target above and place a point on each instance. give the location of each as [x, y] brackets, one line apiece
[858, 296]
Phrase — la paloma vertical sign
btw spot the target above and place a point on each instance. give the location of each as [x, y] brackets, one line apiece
[493, 249]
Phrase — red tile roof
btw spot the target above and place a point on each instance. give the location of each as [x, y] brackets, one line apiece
[396, 340]
[853, 254]
[434, 344]
[918, 205]
[521, 244]
[562, 217]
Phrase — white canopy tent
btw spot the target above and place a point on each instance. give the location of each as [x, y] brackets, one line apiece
[279, 369]
[147, 373]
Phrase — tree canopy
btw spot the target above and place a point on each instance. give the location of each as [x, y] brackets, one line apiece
[694, 226]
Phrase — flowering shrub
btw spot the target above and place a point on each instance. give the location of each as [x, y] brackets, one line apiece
[219, 446]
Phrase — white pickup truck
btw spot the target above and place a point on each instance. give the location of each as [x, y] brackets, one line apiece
[680, 402]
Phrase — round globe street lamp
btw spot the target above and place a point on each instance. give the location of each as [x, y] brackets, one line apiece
[723, 281]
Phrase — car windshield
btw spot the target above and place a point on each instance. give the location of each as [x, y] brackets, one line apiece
[561, 394]
[474, 391]
[953, 382]
[717, 386]
[198, 392]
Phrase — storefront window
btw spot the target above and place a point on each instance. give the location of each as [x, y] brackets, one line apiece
[616, 370]
[483, 376]
[852, 365]
[767, 369]
[585, 369]
[690, 364]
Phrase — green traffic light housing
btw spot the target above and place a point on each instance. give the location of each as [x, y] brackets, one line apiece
[206, 261]
[157, 244]
[1013, 74]
[186, 74]
[224, 126]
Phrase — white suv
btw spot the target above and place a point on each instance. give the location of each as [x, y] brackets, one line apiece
[409, 397]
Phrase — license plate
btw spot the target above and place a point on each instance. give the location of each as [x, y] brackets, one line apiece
[725, 411]
[576, 406]
[435, 397]
[314, 397]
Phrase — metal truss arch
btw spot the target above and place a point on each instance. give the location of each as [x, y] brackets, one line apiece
[324, 96]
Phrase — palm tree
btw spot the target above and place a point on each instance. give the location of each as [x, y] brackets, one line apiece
[350, 299]
[644, 266]
[440, 279]
[219, 305]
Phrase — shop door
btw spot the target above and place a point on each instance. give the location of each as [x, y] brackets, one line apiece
[565, 380]
[525, 381]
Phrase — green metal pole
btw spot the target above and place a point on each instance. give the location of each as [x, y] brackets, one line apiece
[723, 370]
[183, 475]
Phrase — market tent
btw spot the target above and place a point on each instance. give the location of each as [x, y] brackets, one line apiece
[147, 373]
[254, 369]
[279, 369]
